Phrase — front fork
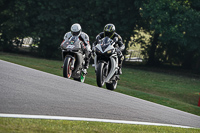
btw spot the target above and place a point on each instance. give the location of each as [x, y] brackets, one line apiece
[96, 64]
[72, 63]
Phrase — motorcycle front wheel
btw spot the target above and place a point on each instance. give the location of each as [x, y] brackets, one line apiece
[67, 71]
[100, 74]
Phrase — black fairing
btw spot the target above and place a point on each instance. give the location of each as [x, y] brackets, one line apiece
[77, 65]
[77, 46]
[75, 50]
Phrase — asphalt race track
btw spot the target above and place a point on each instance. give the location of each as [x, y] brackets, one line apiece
[28, 91]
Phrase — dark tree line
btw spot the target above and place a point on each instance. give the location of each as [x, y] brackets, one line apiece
[175, 29]
[174, 25]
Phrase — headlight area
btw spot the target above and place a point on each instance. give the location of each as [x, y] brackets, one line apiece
[98, 51]
[109, 52]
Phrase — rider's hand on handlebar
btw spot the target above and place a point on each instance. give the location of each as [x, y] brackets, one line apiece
[93, 48]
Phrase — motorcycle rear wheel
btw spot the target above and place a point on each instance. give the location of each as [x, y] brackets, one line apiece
[81, 78]
[112, 86]
[67, 72]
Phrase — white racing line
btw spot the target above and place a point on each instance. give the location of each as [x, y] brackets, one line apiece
[87, 119]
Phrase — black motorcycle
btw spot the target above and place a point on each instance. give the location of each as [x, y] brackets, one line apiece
[73, 56]
[106, 63]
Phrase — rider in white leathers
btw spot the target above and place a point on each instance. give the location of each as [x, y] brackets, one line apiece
[77, 31]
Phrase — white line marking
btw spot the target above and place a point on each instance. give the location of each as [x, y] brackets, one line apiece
[87, 119]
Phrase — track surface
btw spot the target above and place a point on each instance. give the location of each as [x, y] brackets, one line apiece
[28, 91]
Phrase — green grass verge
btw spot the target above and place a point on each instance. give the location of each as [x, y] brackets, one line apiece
[10, 125]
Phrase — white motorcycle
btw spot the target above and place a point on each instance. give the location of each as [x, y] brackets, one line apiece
[106, 63]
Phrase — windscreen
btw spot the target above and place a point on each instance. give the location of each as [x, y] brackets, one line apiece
[73, 39]
[106, 41]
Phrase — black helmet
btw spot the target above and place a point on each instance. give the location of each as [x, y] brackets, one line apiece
[109, 30]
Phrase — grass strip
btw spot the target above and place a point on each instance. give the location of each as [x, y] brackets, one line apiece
[9, 125]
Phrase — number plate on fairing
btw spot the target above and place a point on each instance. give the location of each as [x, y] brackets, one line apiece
[70, 46]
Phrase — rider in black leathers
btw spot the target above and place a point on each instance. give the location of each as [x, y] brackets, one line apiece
[109, 31]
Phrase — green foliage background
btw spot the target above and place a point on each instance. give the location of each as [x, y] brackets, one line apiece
[174, 25]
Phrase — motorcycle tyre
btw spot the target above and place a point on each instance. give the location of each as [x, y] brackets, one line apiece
[81, 78]
[99, 74]
[112, 86]
[67, 72]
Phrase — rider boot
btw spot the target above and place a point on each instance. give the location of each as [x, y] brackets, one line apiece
[120, 69]
[120, 65]
[87, 59]
[86, 66]
[120, 60]
[84, 71]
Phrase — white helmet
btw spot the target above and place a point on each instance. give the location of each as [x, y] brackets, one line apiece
[76, 29]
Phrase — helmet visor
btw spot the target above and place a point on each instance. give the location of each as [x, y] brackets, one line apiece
[109, 34]
[75, 33]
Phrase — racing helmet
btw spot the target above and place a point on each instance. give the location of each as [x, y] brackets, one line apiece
[109, 30]
[76, 29]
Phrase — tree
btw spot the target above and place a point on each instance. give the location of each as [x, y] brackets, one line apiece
[177, 23]
[49, 20]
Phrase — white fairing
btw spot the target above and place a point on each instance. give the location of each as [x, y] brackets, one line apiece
[107, 49]
[99, 47]
[113, 59]
[114, 67]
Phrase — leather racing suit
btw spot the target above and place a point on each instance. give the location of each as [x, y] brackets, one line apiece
[87, 48]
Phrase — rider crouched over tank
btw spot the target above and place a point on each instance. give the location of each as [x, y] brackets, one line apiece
[76, 30]
[109, 31]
